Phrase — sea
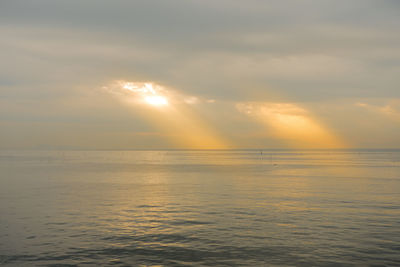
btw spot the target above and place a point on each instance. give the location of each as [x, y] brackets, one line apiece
[200, 208]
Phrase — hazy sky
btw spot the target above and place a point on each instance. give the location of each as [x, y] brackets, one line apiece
[218, 74]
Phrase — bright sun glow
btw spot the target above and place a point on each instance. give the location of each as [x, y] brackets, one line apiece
[156, 100]
[148, 92]
[172, 113]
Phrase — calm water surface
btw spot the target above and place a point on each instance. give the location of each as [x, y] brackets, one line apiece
[200, 208]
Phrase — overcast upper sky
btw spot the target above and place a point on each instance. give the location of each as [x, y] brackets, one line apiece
[258, 74]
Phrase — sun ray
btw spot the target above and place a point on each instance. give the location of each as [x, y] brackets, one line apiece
[292, 125]
[171, 113]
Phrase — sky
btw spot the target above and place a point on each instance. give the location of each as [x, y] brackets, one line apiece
[185, 74]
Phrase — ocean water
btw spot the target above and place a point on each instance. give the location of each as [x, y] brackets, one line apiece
[200, 208]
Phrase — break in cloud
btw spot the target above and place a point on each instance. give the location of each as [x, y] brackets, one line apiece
[334, 63]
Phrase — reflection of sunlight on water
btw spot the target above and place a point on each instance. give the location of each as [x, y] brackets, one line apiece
[162, 207]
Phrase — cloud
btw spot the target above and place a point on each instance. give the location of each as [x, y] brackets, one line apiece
[269, 45]
[390, 110]
[171, 112]
[291, 125]
[210, 54]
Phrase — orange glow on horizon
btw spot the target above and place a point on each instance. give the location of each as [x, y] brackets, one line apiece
[171, 113]
[292, 125]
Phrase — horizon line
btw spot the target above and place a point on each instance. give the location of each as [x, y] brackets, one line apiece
[197, 149]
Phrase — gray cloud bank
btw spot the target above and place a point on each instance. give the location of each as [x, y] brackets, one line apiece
[327, 55]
